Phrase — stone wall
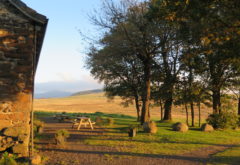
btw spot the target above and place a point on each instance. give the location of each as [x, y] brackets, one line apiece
[17, 48]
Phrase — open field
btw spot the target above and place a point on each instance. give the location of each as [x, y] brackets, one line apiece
[92, 103]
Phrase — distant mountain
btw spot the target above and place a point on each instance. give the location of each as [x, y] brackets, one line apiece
[87, 92]
[52, 94]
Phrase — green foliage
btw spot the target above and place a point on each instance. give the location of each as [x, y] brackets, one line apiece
[223, 120]
[61, 136]
[38, 125]
[63, 132]
[8, 159]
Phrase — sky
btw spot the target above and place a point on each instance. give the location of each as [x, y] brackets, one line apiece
[61, 65]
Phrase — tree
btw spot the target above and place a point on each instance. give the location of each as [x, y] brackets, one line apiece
[129, 20]
[121, 73]
[169, 53]
[212, 30]
[234, 89]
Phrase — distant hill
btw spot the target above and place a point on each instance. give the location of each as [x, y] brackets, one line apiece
[52, 94]
[87, 92]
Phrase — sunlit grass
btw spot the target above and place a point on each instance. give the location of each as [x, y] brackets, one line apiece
[229, 156]
[165, 142]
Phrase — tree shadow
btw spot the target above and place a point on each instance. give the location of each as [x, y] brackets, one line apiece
[174, 157]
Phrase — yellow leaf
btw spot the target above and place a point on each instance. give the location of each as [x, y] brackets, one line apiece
[228, 38]
[205, 41]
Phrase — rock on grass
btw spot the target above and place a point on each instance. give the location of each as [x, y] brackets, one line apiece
[150, 127]
[180, 127]
[207, 128]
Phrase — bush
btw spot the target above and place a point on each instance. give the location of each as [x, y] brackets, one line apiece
[8, 159]
[61, 136]
[38, 126]
[223, 120]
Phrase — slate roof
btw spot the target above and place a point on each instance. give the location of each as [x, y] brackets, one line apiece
[40, 20]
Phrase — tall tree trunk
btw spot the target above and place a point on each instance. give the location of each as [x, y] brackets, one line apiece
[168, 83]
[192, 114]
[216, 99]
[145, 117]
[199, 114]
[186, 108]
[161, 109]
[137, 107]
[149, 114]
[168, 107]
[239, 106]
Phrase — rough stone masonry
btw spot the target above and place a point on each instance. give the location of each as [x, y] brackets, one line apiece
[22, 32]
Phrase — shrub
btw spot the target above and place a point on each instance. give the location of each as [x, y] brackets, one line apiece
[223, 120]
[8, 159]
[38, 125]
[61, 136]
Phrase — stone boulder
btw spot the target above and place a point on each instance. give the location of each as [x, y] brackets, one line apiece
[180, 127]
[207, 128]
[150, 127]
[132, 132]
[36, 160]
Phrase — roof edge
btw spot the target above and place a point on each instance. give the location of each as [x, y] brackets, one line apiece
[33, 15]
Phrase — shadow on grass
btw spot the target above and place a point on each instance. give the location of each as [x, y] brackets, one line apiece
[233, 160]
[174, 157]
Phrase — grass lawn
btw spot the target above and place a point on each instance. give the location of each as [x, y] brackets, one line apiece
[165, 142]
[230, 156]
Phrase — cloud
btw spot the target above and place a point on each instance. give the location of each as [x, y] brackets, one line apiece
[66, 77]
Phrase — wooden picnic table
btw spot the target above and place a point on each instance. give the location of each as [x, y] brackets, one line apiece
[85, 121]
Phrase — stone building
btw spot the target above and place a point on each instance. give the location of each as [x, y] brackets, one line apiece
[22, 32]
